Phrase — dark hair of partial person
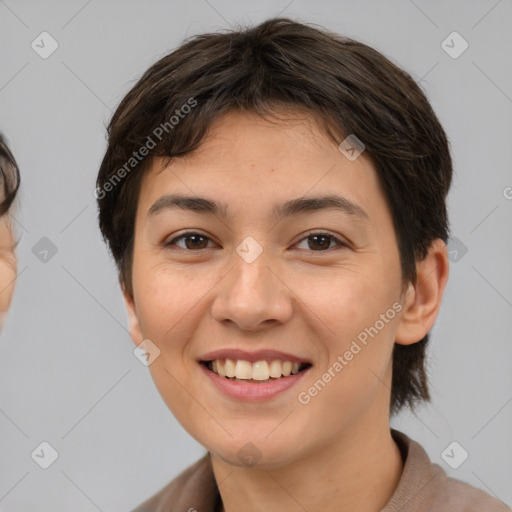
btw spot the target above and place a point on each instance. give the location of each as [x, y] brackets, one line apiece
[349, 87]
[9, 177]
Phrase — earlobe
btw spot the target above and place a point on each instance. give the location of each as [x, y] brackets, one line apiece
[423, 300]
[133, 320]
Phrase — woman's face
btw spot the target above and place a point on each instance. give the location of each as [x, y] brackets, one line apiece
[248, 279]
[7, 266]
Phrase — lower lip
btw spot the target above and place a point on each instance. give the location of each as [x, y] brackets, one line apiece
[250, 391]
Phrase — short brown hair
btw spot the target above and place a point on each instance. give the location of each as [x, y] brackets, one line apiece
[9, 177]
[352, 87]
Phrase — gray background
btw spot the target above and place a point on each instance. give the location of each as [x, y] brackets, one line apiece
[68, 374]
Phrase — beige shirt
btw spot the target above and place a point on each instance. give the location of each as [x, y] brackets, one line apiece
[423, 487]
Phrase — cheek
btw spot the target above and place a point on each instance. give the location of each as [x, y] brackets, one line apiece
[356, 322]
[346, 304]
[7, 280]
[167, 302]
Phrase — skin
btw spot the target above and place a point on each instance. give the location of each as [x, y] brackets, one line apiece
[8, 266]
[301, 297]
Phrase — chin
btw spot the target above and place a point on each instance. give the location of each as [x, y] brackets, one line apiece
[251, 453]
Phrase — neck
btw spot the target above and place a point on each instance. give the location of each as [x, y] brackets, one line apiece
[357, 472]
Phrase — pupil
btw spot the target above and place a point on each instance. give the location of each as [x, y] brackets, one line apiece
[194, 244]
[316, 237]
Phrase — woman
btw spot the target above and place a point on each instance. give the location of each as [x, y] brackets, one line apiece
[274, 199]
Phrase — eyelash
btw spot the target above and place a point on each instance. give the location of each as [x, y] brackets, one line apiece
[309, 235]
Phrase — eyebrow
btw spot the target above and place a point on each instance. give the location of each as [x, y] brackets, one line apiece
[279, 212]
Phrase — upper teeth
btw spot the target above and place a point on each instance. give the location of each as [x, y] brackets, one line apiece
[260, 370]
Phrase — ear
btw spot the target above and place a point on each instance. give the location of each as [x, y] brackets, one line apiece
[135, 330]
[423, 299]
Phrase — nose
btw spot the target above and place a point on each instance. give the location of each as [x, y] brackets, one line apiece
[253, 296]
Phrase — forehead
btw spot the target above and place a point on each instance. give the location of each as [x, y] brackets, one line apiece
[247, 159]
[242, 131]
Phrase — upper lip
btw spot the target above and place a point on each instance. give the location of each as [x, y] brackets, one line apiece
[258, 355]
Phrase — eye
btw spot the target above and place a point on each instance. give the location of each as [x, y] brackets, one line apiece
[191, 239]
[321, 241]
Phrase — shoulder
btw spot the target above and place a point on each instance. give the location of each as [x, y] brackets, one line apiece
[454, 495]
[425, 486]
[193, 489]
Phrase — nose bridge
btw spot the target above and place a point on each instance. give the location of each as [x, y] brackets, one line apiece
[251, 294]
[251, 273]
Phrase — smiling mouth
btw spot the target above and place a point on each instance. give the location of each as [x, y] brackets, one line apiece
[257, 372]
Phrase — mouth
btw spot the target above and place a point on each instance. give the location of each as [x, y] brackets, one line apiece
[257, 372]
[253, 376]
